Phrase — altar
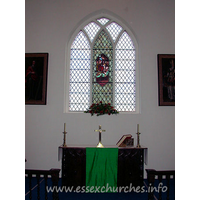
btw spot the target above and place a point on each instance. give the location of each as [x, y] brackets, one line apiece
[130, 165]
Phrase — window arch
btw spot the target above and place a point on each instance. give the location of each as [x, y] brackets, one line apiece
[103, 58]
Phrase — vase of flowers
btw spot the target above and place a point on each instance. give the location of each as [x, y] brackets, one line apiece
[101, 109]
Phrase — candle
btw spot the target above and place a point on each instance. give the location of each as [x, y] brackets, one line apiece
[64, 127]
[137, 128]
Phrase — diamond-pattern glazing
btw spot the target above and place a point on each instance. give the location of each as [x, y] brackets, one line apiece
[102, 93]
[125, 74]
[80, 42]
[103, 21]
[92, 29]
[79, 91]
[114, 29]
[122, 62]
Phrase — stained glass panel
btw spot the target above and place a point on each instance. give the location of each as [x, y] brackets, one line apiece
[102, 87]
[79, 91]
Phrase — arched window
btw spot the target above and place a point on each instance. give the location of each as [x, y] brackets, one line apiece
[103, 66]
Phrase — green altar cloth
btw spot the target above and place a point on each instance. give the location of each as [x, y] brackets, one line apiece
[101, 169]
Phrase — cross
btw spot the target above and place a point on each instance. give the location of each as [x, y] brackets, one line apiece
[100, 131]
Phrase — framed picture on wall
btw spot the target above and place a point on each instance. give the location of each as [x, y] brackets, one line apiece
[166, 79]
[36, 65]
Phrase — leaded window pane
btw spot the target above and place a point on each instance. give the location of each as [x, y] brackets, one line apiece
[80, 42]
[119, 64]
[103, 21]
[80, 64]
[101, 60]
[125, 42]
[79, 91]
[125, 74]
[92, 29]
[114, 29]
[102, 79]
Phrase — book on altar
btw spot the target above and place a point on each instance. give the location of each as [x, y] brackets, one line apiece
[124, 140]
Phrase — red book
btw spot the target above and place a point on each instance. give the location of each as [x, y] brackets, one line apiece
[120, 143]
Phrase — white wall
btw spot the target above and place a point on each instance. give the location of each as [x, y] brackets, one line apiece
[49, 25]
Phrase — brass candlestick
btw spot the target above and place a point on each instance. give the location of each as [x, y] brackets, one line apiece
[138, 140]
[64, 139]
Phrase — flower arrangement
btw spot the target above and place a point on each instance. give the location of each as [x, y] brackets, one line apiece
[101, 109]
